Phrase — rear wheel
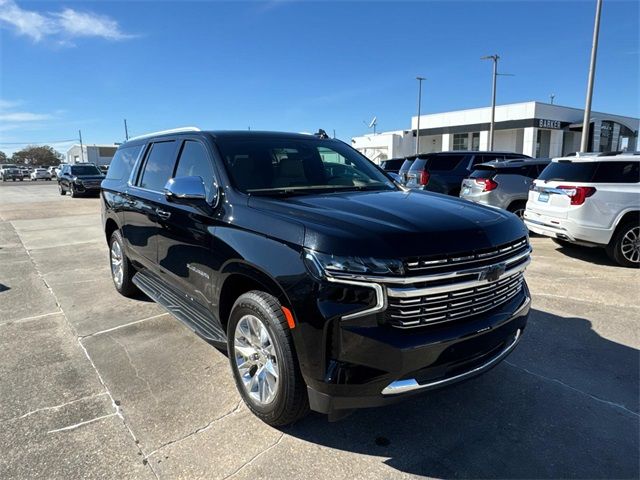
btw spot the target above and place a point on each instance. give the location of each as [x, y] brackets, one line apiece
[263, 360]
[61, 190]
[518, 208]
[624, 248]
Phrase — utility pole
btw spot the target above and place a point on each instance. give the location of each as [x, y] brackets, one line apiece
[495, 59]
[126, 130]
[420, 79]
[81, 147]
[552, 96]
[584, 143]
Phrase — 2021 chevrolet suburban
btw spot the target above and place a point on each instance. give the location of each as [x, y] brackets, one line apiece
[330, 287]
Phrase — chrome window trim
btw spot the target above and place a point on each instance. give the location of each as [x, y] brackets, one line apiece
[408, 385]
[381, 298]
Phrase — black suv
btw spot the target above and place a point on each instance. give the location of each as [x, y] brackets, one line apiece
[443, 172]
[80, 179]
[329, 285]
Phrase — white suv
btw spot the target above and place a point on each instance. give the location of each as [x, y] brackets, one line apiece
[593, 201]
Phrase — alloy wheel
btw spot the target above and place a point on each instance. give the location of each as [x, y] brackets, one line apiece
[630, 245]
[256, 359]
[117, 268]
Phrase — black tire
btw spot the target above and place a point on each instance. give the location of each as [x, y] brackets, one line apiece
[127, 287]
[290, 403]
[628, 229]
[518, 208]
[61, 190]
[72, 191]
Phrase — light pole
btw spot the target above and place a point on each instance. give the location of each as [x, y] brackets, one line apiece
[552, 97]
[584, 143]
[495, 59]
[420, 79]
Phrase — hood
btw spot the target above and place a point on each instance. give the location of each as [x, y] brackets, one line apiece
[395, 224]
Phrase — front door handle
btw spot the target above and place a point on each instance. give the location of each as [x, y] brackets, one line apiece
[163, 214]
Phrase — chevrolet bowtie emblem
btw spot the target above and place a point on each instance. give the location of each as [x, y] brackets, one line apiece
[493, 273]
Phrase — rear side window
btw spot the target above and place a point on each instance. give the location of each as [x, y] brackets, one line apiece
[618, 172]
[597, 172]
[122, 162]
[487, 158]
[418, 164]
[194, 162]
[406, 165]
[159, 166]
[445, 162]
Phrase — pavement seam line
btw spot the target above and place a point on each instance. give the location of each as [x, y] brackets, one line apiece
[197, 430]
[80, 424]
[82, 337]
[135, 369]
[593, 397]
[255, 457]
[26, 319]
[117, 409]
[55, 407]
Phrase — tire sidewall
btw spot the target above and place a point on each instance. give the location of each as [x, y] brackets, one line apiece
[249, 306]
[616, 246]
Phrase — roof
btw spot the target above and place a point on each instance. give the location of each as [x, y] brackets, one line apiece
[225, 134]
[634, 156]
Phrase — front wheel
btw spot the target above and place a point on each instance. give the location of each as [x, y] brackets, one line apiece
[122, 271]
[72, 191]
[61, 190]
[263, 360]
[624, 248]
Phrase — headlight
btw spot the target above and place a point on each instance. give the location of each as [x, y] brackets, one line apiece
[323, 263]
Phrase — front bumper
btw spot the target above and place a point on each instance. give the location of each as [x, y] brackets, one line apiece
[87, 189]
[380, 365]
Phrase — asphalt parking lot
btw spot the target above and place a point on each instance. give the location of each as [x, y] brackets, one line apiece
[94, 385]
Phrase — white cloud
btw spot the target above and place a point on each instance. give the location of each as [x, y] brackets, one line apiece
[24, 117]
[62, 26]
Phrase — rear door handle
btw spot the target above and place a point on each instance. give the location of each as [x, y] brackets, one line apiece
[163, 214]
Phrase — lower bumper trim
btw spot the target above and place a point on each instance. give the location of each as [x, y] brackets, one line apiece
[408, 385]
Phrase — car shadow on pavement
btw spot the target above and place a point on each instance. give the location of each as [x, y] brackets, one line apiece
[4, 288]
[544, 413]
[595, 255]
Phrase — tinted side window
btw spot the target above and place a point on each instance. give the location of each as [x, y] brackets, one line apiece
[122, 162]
[194, 162]
[158, 167]
[484, 172]
[487, 158]
[445, 162]
[618, 172]
[418, 164]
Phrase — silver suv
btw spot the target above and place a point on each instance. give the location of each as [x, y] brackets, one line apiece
[503, 184]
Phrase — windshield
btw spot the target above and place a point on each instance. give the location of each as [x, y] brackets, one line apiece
[266, 166]
[85, 170]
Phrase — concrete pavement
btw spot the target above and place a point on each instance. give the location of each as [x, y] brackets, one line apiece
[94, 385]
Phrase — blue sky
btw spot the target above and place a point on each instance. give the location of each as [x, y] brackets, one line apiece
[295, 65]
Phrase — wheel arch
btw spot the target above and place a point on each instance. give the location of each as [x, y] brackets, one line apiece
[110, 226]
[239, 278]
[624, 217]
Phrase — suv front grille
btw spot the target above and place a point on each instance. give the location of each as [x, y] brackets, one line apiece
[436, 308]
[478, 258]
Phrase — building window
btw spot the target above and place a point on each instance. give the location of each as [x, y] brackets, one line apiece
[475, 141]
[461, 141]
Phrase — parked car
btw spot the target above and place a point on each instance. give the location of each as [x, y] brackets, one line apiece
[504, 184]
[405, 167]
[392, 165]
[40, 174]
[58, 169]
[52, 171]
[9, 171]
[80, 179]
[592, 201]
[26, 172]
[443, 172]
[330, 287]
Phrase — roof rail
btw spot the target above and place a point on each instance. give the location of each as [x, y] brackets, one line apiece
[166, 132]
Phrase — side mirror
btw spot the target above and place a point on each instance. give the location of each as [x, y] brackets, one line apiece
[190, 191]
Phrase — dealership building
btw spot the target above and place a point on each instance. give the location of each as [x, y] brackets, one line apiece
[533, 128]
[96, 154]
